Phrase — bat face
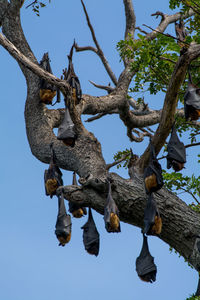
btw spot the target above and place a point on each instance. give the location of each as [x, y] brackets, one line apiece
[52, 177]
[153, 173]
[145, 266]
[152, 219]
[176, 156]
[47, 90]
[63, 223]
[90, 236]
[111, 213]
[66, 130]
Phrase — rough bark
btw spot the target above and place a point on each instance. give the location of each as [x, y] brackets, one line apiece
[181, 225]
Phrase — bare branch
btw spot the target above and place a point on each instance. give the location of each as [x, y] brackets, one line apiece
[86, 48]
[130, 19]
[192, 145]
[141, 30]
[108, 88]
[100, 52]
[190, 193]
[14, 52]
[166, 34]
[102, 115]
[166, 20]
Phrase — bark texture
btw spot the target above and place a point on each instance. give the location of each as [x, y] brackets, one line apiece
[181, 225]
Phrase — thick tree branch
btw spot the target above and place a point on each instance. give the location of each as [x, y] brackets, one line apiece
[27, 63]
[180, 223]
[130, 19]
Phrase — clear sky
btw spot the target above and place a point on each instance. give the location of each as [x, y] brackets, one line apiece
[32, 266]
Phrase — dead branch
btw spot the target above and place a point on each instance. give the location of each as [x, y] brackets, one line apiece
[130, 19]
[100, 52]
[108, 88]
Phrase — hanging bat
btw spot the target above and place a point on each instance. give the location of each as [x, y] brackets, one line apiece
[145, 267]
[152, 219]
[47, 90]
[181, 32]
[76, 210]
[63, 223]
[72, 79]
[90, 235]
[52, 176]
[66, 130]
[111, 213]
[153, 173]
[176, 157]
[192, 101]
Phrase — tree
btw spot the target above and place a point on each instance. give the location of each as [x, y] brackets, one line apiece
[89, 161]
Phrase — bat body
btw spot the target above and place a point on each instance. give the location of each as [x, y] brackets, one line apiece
[176, 157]
[181, 32]
[111, 213]
[52, 176]
[63, 223]
[153, 173]
[66, 130]
[90, 235]
[152, 219]
[47, 90]
[145, 266]
[76, 210]
[73, 80]
[192, 102]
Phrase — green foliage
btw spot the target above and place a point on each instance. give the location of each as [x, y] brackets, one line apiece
[177, 182]
[193, 297]
[153, 61]
[121, 154]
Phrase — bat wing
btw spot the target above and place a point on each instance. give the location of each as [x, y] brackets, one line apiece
[176, 149]
[145, 266]
[91, 235]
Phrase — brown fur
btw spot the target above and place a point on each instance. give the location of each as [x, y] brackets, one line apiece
[150, 182]
[64, 240]
[69, 142]
[51, 186]
[77, 213]
[157, 227]
[114, 221]
[177, 166]
[47, 96]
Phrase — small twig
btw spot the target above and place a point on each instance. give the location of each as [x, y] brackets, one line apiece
[140, 29]
[191, 145]
[166, 34]
[100, 115]
[108, 166]
[31, 4]
[167, 59]
[108, 88]
[190, 193]
[99, 52]
[162, 157]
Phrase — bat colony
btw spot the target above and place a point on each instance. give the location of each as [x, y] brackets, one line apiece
[153, 180]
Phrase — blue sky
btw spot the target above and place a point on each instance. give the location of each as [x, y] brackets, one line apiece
[31, 263]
